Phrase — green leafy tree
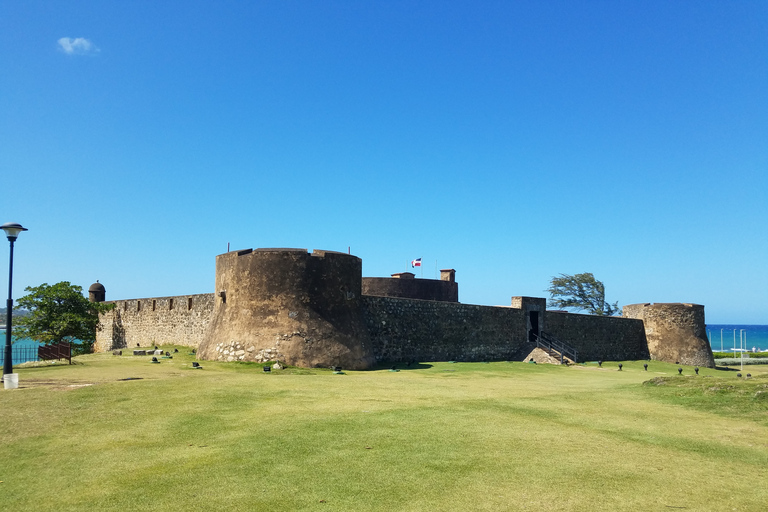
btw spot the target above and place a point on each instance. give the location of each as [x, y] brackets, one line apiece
[581, 292]
[59, 313]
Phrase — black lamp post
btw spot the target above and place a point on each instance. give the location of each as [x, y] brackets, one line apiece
[12, 230]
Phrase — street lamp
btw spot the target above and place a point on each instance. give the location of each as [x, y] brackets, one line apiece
[12, 231]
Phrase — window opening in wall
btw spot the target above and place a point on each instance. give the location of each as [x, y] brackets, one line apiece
[125, 306]
[154, 305]
[170, 303]
[138, 305]
[189, 303]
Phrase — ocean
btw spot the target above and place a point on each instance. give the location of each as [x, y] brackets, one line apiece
[26, 355]
[733, 336]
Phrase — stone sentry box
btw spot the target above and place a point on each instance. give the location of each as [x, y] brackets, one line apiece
[288, 305]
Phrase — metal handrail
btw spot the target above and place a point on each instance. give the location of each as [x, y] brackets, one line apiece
[549, 342]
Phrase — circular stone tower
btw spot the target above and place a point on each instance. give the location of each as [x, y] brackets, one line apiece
[288, 305]
[676, 333]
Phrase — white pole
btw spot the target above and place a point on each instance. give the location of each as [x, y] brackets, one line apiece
[741, 346]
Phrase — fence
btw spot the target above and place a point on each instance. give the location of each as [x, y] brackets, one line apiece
[26, 353]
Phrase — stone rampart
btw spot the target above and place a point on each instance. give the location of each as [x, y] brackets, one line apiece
[180, 320]
[607, 338]
[424, 289]
[422, 330]
[289, 305]
[676, 332]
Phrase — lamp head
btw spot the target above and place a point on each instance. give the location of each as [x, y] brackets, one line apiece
[12, 230]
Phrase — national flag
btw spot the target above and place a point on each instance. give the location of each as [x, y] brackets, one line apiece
[416, 262]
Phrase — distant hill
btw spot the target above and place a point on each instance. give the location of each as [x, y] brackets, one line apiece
[15, 314]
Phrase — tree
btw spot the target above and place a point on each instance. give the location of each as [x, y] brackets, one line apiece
[59, 313]
[581, 292]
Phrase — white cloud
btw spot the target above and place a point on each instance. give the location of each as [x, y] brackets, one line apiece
[77, 46]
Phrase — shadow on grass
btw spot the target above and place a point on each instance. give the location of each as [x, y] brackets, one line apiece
[402, 366]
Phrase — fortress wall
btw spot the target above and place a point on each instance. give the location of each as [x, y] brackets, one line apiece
[180, 320]
[599, 337]
[424, 289]
[421, 330]
[676, 332]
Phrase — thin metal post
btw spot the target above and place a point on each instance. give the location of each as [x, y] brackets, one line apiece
[8, 355]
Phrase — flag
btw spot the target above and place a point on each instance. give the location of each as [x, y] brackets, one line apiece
[416, 262]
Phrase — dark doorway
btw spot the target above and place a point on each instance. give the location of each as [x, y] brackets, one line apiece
[533, 321]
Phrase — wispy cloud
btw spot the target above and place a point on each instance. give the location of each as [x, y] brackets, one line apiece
[77, 46]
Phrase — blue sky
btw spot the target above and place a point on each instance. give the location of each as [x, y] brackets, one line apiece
[512, 141]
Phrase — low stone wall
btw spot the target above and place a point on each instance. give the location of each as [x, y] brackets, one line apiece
[599, 337]
[180, 320]
[421, 330]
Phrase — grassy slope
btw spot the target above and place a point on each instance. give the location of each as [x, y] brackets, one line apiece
[465, 436]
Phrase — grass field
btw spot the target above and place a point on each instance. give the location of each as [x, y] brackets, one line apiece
[437, 436]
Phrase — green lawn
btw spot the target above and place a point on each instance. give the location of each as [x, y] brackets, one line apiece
[440, 436]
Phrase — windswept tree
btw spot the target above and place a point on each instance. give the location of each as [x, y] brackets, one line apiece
[59, 313]
[581, 292]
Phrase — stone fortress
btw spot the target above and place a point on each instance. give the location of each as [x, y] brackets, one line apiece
[316, 310]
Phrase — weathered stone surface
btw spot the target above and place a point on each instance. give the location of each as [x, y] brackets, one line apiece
[290, 305]
[676, 332]
[139, 352]
[180, 320]
[424, 289]
[609, 338]
[422, 330]
[309, 310]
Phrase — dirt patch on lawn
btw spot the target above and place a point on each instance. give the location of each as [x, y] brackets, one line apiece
[54, 384]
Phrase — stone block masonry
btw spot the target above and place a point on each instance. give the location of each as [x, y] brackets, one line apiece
[676, 332]
[423, 330]
[607, 338]
[289, 305]
[180, 320]
[315, 309]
